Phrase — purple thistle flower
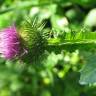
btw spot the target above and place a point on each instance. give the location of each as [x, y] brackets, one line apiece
[9, 42]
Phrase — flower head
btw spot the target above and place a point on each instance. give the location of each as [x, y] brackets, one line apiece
[9, 42]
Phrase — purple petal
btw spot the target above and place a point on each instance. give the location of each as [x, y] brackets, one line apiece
[9, 43]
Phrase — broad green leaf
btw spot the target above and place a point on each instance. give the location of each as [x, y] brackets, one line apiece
[88, 72]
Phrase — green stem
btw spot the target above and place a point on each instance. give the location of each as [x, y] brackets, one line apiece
[59, 42]
[24, 5]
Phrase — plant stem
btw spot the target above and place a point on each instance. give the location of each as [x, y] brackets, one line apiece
[22, 6]
[59, 42]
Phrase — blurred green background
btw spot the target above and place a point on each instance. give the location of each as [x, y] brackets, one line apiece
[59, 73]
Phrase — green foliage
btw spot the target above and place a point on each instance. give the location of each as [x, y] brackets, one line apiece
[61, 51]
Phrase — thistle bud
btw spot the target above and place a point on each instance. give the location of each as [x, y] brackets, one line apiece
[32, 34]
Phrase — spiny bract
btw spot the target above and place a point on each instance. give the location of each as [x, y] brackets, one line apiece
[34, 40]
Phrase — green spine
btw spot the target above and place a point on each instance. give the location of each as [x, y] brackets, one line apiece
[34, 39]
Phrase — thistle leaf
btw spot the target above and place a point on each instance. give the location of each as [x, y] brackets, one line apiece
[82, 36]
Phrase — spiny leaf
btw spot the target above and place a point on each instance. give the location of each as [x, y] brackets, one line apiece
[74, 37]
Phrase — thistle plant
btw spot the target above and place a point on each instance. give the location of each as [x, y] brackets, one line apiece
[29, 45]
[31, 42]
